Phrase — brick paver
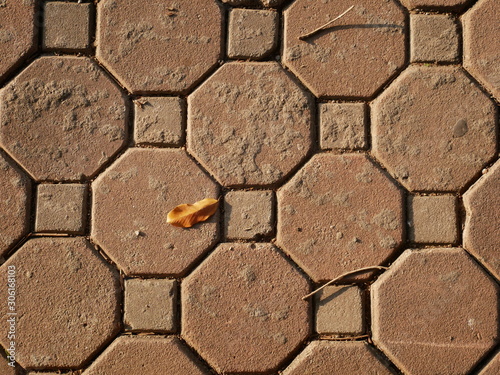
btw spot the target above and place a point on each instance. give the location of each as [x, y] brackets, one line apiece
[435, 4]
[493, 367]
[5, 368]
[265, 3]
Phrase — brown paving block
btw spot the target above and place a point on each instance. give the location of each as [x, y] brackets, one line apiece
[62, 118]
[242, 309]
[433, 128]
[493, 367]
[5, 367]
[339, 213]
[67, 301]
[263, 124]
[435, 4]
[344, 61]
[131, 201]
[265, 3]
[153, 46]
[482, 224]
[482, 44]
[146, 355]
[435, 312]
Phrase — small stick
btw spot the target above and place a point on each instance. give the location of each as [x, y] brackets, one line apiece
[314, 32]
[332, 338]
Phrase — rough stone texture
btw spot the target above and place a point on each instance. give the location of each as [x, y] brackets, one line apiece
[433, 128]
[337, 358]
[263, 124]
[159, 120]
[482, 225]
[150, 305]
[66, 26]
[146, 355]
[252, 33]
[61, 118]
[493, 367]
[340, 310]
[449, 309]
[5, 368]
[61, 208]
[131, 227]
[433, 38]
[153, 46]
[248, 214]
[339, 213]
[345, 61]
[67, 300]
[242, 308]
[265, 3]
[454, 5]
[433, 219]
[482, 44]
[342, 125]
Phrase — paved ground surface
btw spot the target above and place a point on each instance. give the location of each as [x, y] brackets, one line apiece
[371, 141]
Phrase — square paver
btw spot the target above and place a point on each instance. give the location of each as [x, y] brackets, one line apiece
[343, 125]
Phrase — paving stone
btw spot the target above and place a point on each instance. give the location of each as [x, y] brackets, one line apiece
[61, 208]
[433, 128]
[449, 309]
[263, 122]
[67, 301]
[343, 125]
[62, 118]
[433, 219]
[327, 223]
[153, 46]
[159, 120]
[433, 38]
[248, 214]
[453, 5]
[481, 31]
[242, 309]
[252, 33]
[146, 355]
[132, 229]
[66, 26]
[344, 61]
[5, 368]
[150, 305]
[482, 225]
[337, 358]
[493, 367]
[265, 3]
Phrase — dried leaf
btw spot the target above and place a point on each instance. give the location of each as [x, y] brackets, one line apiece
[187, 215]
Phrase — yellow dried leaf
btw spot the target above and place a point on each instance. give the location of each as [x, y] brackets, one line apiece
[187, 215]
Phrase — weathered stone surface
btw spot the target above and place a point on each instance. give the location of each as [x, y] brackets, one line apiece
[5, 368]
[242, 308]
[265, 3]
[493, 367]
[435, 4]
[435, 311]
[263, 124]
[339, 213]
[433, 128]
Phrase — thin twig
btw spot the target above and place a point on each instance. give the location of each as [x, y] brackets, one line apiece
[344, 275]
[333, 338]
[314, 32]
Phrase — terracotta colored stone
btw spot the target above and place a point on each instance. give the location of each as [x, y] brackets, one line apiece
[62, 118]
[67, 301]
[153, 46]
[344, 61]
[252, 33]
[433, 38]
[493, 367]
[248, 214]
[435, 312]
[5, 368]
[435, 4]
[482, 44]
[482, 225]
[263, 124]
[265, 3]
[337, 358]
[146, 355]
[242, 309]
[433, 128]
[339, 213]
[150, 305]
[131, 201]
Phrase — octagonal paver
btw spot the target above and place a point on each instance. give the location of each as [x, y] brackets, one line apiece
[242, 309]
[435, 312]
[131, 201]
[66, 301]
[433, 128]
[156, 46]
[435, 4]
[249, 124]
[482, 44]
[339, 213]
[62, 118]
[353, 57]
